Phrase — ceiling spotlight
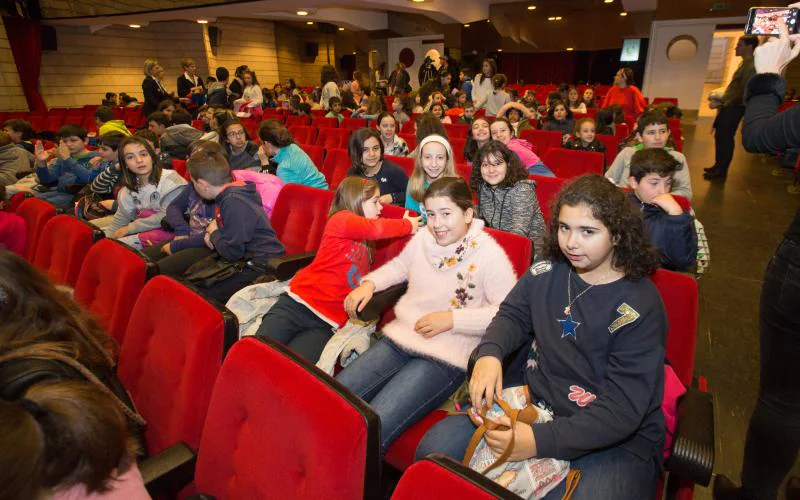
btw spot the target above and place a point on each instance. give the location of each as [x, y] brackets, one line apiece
[558, 18]
[417, 1]
[570, 49]
[623, 14]
[302, 13]
[488, 20]
[135, 25]
[499, 50]
[466, 25]
[531, 7]
[309, 22]
[551, 18]
[202, 21]
[341, 29]
[608, 1]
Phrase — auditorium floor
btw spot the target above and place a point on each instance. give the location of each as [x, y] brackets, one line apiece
[744, 219]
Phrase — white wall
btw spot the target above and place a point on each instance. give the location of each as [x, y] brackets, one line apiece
[682, 79]
[415, 43]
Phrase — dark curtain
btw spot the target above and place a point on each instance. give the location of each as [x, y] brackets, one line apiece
[25, 39]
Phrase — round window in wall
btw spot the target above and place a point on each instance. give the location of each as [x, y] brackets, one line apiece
[407, 57]
[682, 48]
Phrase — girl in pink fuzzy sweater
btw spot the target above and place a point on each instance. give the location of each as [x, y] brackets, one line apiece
[457, 277]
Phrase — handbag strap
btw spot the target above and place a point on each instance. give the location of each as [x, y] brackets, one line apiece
[573, 477]
[488, 424]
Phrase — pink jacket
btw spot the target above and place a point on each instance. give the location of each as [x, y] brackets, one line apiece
[523, 149]
[267, 185]
[13, 232]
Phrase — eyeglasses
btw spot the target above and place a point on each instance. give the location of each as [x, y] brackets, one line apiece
[238, 133]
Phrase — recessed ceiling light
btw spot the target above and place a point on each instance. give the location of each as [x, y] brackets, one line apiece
[309, 22]
[623, 14]
[608, 1]
[488, 20]
[417, 1]
[466, 25]
[570, 49]
[551, 18]
[499, 50]
[341, 29]
[354, 52]
[135, 25]
[558, 18]
[302, 13]
[202, 21]
[531, 7]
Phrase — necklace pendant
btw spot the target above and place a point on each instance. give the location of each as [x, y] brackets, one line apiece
[567, 310]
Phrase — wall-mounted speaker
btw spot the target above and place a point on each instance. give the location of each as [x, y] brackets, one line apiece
[214, 37]
[327, 28]
[49, 38]
[312, 49]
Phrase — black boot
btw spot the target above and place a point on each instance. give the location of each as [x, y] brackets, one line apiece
[724, 489]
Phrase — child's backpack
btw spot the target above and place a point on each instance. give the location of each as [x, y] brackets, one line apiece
[267, 185]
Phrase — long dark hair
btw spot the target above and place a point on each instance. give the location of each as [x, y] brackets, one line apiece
[634, 254]
[223, 132]
[552, 110]
[328, 73]
[356, 146]
[129, 179]
[515, 170]
[479, 76]
[427, 124]
[471, 147]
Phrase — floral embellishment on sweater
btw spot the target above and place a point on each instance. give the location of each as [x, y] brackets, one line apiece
[466, 284]
[458, 256]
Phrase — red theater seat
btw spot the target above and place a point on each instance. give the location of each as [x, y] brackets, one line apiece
[169, 359]
[408, 127]
[337, 163]
[111, 278]
[299, 217]
[316, 153]
[441, 478]
[331, 138]
[303, 134]
[36, 214]
[404, 162]
[411, 140]
[569, 163]
[547, 189]
[353, 123]
[458, 146]
[301, 121]
[542, 139]
[278, 427]
[612, 147]
[180, 167]
[322, 122]
[457, 130]
[62, 248]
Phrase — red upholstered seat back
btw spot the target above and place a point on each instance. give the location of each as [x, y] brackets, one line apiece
[542, 139]
[279, 428]
[408, 127]
[404, 162]
[62, 247]
[353, 123]
[569, 163]
[410, 139]
[386, 250]
[303, 134]
[518, 248]
[316, 153]
[180, 167]
[458, 145]
[612, 147]
[679, 294]
[299, 217]
[297, 120]
[547, 189]
[322, 122]
[36, 214]
[457, 130]
[429, 480]
[334, 168]
[330, 138]
[111, 278]
[169, 360]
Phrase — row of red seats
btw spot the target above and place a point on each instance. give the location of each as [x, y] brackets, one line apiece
[56, 118]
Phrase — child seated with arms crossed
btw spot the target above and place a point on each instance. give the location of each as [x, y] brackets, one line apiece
[335, 104]
[671, 229]
[652, 131]
[594, 328]
[506, 196]
[434, 161]
[457, 276]
[585, 139]
[148, 190]
[304, 319]
[501, 131]
[240, 230]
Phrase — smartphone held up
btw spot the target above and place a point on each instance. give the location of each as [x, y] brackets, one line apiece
[765, 20]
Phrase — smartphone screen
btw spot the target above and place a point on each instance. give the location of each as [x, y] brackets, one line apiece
[765, 20]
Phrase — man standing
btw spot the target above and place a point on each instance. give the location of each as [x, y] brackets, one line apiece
[731, 109]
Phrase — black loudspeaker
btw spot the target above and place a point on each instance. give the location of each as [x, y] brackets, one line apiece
[214, 37]
[312, 49]
[327, 28]
[49, 38]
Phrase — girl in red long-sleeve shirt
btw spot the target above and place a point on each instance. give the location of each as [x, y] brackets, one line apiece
[625, 93]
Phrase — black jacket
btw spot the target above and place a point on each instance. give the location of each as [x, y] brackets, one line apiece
[185, 85]
[672, 235]
[767, 131]
[153, 95]
[244, 230]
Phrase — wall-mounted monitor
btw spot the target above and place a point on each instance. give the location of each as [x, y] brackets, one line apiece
[630, 50]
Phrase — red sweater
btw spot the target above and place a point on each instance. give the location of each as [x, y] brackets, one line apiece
[341, 261]
[630, 98]
[13, 232]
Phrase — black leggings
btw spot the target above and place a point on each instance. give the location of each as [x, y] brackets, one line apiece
[297, 327]
[773, 438]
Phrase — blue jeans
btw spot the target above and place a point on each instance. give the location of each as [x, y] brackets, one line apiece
[608, 474]
[540, 169]
[401, 387]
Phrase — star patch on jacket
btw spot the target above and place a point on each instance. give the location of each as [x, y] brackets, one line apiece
[627, 316]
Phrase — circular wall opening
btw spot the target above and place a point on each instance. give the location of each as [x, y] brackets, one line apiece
[407, 57]
[682, 48]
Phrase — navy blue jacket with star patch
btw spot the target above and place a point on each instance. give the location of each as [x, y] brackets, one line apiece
[604, 383]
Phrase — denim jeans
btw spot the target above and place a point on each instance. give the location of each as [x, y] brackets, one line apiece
[773, 438]
[608, 474]
[540, 169]
[401, 387]
[297, 327]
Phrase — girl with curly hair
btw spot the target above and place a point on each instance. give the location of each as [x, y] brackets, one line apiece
[593, 327]
[506, 196]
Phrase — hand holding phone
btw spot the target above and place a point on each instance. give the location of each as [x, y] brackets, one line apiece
[766, 20]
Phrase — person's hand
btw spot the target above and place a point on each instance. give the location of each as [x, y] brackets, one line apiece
[166, 249]
[63, 150]
[486, 382]
[524, 442]
[207, 241]
[95, 162]
[565, 139]
[357, 300]
[415, 221]
[39, 152]
[213, 226]
[386, 199]
[263, 157]
[119, 233]
[432, 324]
[667, 203]
[774, 55]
